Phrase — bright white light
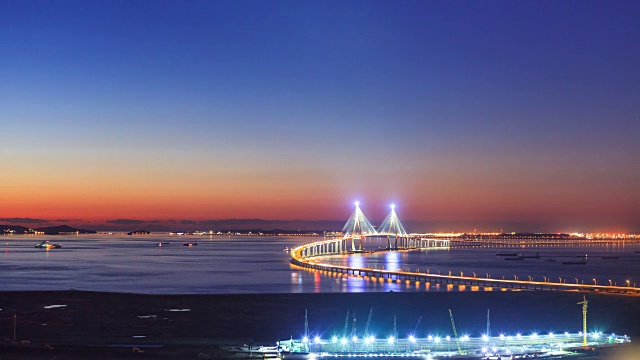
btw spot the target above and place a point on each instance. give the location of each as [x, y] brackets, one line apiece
[501, 336]
[412, 338]
[596, 335]
[485, 338]
[534, 335]
[393, 206]
[494, 349]
[354, 338]
[429, 337]
[448, 338]
[391, 339]
[551, 335]
[317, 340]
[437, 339]
[357, 203]
[334, 339]
[518, 335]
[312, 356]
[343, 341]
[371, 338]
[466, 338]
[566, 333]
[484, 350]
[305, 339]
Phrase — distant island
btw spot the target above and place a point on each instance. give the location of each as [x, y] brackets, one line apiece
[48, 230]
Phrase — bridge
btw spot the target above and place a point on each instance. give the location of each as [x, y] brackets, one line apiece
[358, 228]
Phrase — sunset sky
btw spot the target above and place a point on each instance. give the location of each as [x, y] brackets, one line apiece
[479, 113]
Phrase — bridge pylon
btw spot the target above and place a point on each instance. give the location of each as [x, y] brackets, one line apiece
[357, 227]
[392, 227]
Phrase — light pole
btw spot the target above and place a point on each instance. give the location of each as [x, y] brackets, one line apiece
[515, 277]
[488, 277]
[628, 283]
[576, 281]
[595, 282]
[610, 284]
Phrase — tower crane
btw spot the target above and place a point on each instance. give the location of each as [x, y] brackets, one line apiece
[346, 325]
[366, 328]
[455, 333]
[584, 303]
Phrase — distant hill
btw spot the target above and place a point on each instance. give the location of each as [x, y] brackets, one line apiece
[63, 229]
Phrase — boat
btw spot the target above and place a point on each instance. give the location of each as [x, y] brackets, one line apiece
[506, 254]
[536, 256]
[610, 257]
[162, 243]
[189, 244]
[47, 245]
[581, 262]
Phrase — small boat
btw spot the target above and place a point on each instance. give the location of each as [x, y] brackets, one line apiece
[610, 257]
[582, 262]
[162, 243]
[47, 245]
[190, 244]
[536, 256]
[506, 254]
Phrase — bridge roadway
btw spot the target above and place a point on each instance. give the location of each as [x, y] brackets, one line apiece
[307, 255]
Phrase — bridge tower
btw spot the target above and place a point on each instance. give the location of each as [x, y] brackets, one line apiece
[392, 227]
[357, 227]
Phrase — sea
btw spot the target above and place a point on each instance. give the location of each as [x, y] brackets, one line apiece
[260, 264]
[254, 264]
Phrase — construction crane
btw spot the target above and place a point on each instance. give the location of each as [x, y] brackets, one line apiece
[455, 333]
[366, 328]
[346, 325]
[584, 303]
[415, 330]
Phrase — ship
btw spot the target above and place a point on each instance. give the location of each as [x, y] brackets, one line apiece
[47, 245]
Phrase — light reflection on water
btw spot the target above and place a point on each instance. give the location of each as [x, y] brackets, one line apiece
[259, 265]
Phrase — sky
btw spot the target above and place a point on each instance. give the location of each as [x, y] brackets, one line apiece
[469, 114]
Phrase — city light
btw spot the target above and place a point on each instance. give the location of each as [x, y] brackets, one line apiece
[343, 341]
[391, 339]
[354, 338]
[334, 339]
[412, 338]
[317, 340]
[305, 339]
[438, 339]
[485, 337]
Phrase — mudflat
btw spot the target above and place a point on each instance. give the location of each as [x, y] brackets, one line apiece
[81, 324]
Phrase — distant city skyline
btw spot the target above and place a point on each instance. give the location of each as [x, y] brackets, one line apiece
[470, 113]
